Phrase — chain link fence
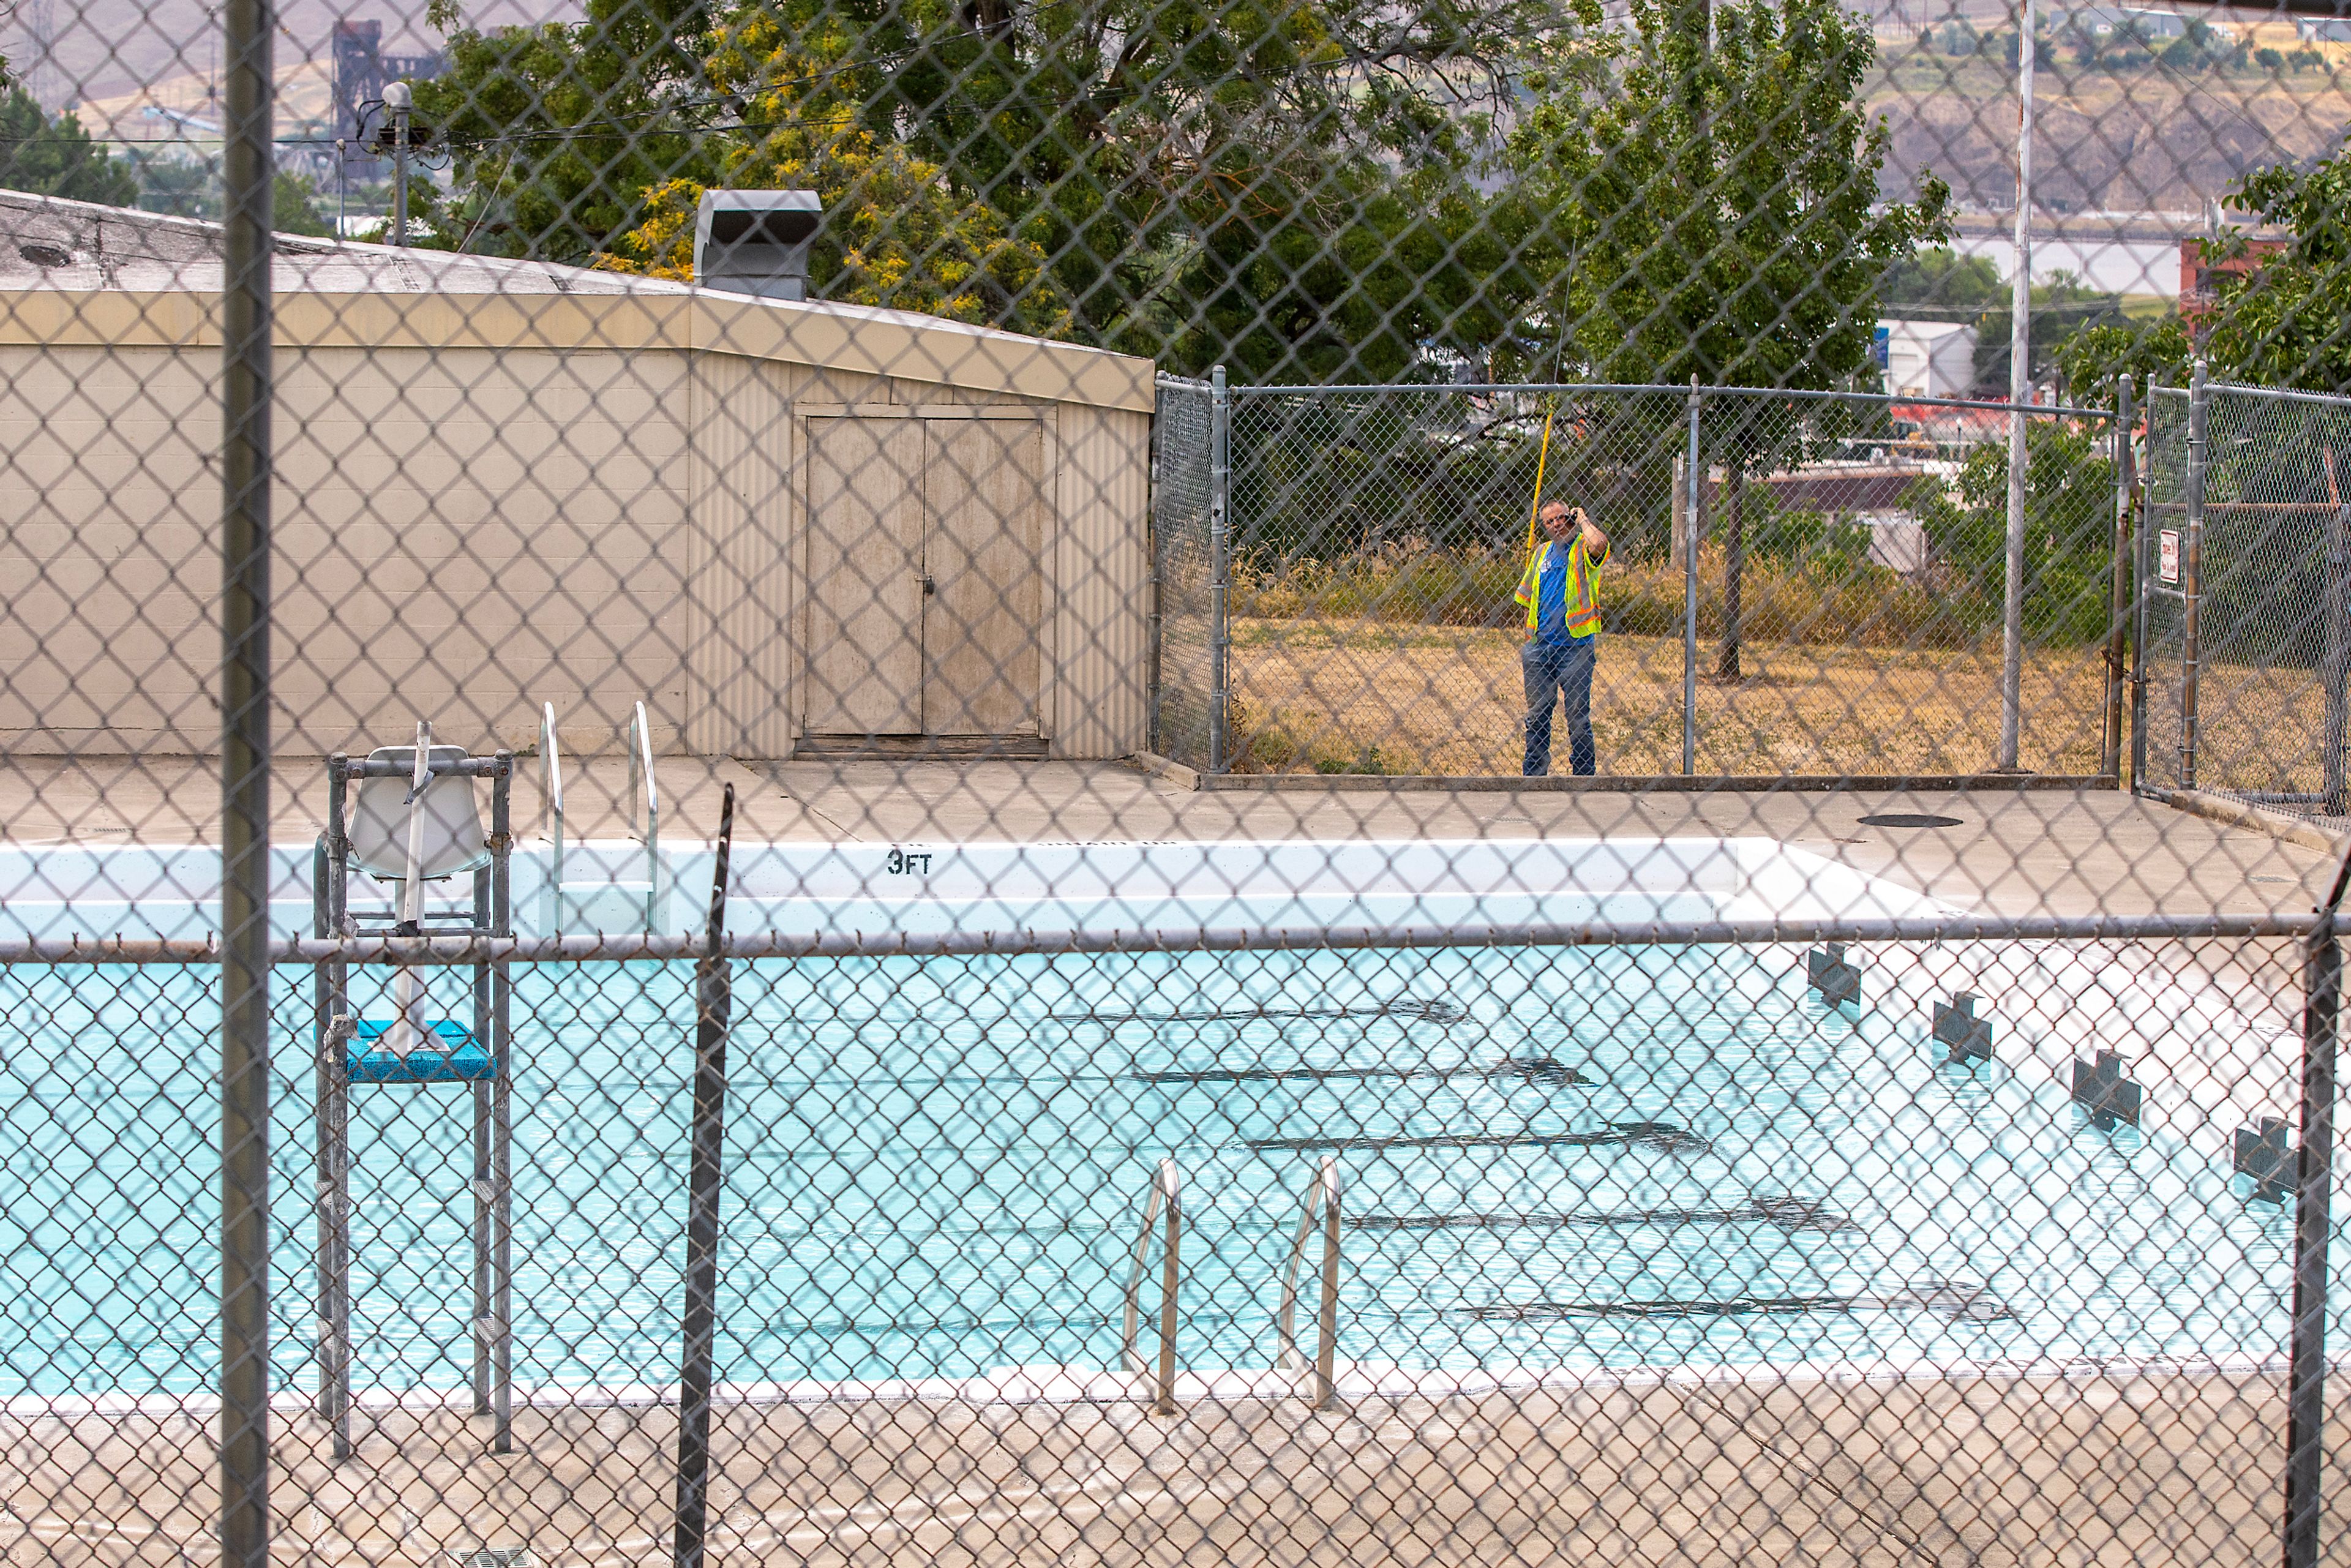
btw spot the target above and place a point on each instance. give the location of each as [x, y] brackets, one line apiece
[1841, 616]
[2248, 640]
[763, 784]
[1188, 633]
[1060, 1250]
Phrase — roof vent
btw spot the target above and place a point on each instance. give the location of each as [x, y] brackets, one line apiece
[754, 242]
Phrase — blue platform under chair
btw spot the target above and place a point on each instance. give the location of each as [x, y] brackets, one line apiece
[408, 818]
[452, 1056]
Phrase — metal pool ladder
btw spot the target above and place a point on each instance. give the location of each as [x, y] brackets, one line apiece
[1164, 1195]
[1166, 1198]
[550, 773]
[641, 787]
[1323, 1204]
[640, 769]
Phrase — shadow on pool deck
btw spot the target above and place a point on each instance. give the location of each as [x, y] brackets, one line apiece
[2013, 851]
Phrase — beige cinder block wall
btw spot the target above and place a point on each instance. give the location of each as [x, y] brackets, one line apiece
[471, 521]
[460, 535]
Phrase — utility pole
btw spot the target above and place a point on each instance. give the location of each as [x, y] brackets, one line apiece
[398, 101]
[2020, 392]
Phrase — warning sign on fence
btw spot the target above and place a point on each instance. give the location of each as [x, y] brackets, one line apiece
[2167, 568]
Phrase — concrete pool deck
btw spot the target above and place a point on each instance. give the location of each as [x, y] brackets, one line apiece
[2108, 1466]
[2016, 852]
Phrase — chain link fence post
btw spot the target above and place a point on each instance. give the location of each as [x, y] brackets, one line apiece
[2336, 666]
[2110, 761]
[1695, 476]
[706, 1180]
[248, 181]
[2191, 571]
[2145, 563]
[1155, 548]
[1221, 483]
[2313, 1192]
[2020, 394]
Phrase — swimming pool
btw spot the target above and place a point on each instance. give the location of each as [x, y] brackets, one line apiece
[1554, 1158]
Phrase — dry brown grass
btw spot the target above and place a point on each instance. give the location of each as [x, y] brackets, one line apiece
[1446, 700]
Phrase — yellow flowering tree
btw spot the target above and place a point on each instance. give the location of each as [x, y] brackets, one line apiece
[897, 233]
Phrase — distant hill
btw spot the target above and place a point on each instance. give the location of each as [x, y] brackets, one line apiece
[2113, 141]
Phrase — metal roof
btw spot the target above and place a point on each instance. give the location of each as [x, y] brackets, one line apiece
[124, 248]
[81, 272]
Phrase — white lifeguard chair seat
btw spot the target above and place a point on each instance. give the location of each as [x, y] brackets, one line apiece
[453, 841]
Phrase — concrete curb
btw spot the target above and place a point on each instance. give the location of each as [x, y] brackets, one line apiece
[2279, 825]
[1159, 767]
[1646, 784]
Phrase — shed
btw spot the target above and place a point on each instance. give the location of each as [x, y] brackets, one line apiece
[788, 527]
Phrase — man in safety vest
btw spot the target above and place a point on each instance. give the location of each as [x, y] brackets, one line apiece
[1563, 633]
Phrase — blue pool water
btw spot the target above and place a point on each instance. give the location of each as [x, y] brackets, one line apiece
[935, 1168]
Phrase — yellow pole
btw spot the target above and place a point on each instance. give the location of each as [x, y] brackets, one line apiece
[1535, 510]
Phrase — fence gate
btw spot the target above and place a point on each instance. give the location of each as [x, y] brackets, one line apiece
[2242, 569]
[1184, 631]
[2161, 745]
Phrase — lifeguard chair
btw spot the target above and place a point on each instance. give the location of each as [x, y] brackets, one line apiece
[413, 821]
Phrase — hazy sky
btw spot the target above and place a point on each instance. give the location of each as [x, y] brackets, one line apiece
[107, 47]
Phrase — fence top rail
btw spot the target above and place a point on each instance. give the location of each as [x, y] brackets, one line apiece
[1187, 383]
[956, 944]
[2273, 394]
[2031, 410]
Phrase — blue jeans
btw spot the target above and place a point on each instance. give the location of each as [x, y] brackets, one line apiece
[1564, 673]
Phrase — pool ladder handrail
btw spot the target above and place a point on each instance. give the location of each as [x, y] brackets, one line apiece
[640, 785]
[1321, 1203]
[641, 770]
[1166, 1193]
[551, 778]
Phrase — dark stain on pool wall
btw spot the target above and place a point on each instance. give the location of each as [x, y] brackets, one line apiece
[1662, 1135]
[1956, 1300]
[1417, 1009]
[1543, 1071]
[1788, 1213]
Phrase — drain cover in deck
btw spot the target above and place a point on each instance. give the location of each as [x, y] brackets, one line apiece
[1910, 820]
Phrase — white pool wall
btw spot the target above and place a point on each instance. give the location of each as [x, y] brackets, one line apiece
[1300, 886]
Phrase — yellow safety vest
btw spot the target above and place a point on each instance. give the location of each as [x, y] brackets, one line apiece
[1582, 608]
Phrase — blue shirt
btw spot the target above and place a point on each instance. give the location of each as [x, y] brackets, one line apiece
[1551, 600]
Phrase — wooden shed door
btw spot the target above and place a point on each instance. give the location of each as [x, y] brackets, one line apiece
[864, 576]
[985, 611]
[926, 576]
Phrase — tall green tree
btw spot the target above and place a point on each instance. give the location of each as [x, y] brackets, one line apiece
[1289, 189]
[294, 207]
[2068, 546]
[558, 132]
[900, 234]
[2288, 322]
[1706, 182]
[2285, 322]
[1940, 279]
[56, 157]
